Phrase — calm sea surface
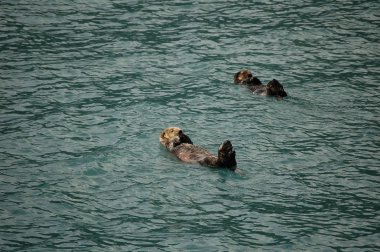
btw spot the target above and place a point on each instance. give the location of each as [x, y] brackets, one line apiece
[86, 87]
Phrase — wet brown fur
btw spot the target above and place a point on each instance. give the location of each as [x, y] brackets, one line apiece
[245, 77]
[181, 146]
[273, 88]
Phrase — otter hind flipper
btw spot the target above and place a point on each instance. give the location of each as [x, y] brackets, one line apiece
[226, 155]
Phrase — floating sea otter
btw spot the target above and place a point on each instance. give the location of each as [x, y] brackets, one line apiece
[181, 145]
[273, 88]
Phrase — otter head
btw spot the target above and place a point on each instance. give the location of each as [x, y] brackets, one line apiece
[274, 88]
[245, 77]
[172, 137]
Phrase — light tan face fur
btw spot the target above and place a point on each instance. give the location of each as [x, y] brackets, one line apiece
[243, 75]
[170, 134]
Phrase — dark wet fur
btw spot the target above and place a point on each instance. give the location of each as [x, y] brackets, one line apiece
[273, 88]
[249, 79]
[226, 154]
[184, 139]
[185, 150]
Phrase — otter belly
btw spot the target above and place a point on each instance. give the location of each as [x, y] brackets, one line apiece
[260, 91]
[194, 154]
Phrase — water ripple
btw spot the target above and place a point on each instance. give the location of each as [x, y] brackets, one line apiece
[88, 87]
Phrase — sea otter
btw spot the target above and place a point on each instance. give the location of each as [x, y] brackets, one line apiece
[181, 145]
[273, 88]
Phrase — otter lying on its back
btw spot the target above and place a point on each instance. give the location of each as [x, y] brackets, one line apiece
[181, 145]
[245, 77]
[273, 88]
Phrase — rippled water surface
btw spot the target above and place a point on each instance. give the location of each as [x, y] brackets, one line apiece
[87, 87]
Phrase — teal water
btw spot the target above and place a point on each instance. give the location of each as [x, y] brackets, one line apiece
[87, 87]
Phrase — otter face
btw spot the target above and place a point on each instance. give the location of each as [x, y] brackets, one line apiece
[172, 137]
[242, 76]
[274, 88]
[246, 77]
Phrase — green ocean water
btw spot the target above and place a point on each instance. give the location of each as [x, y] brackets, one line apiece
[86, 87]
